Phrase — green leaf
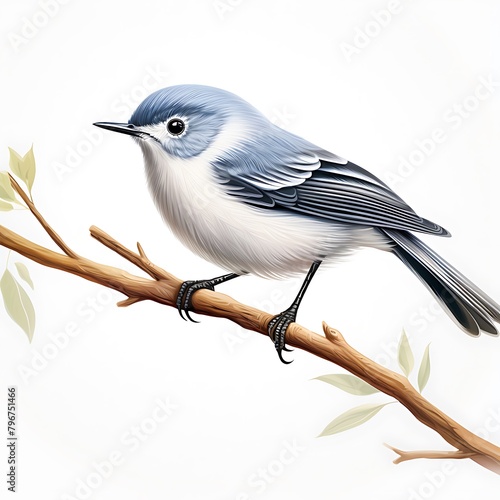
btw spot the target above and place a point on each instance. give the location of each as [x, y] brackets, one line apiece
[352, 418]
[15, 162]
[405, 356]
[30, 168]
[24, 274]
[6, 191]
[17, 303]
[5, 207]
[424, 370]
[349, 383]
[25, 167]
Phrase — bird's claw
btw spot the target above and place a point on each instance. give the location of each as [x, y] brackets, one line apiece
[276, 330]
[185, 296]
[180, 294]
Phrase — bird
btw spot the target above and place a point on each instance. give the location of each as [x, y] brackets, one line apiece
[254, 198]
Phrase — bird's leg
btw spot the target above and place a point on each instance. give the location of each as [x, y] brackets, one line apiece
[277, 327]
[187, 289]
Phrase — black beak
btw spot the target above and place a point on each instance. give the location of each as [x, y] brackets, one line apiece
[123, 128]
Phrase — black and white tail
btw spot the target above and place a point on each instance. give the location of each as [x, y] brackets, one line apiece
[469, 306]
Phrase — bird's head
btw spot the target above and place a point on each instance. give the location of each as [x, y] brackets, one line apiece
[186, 119]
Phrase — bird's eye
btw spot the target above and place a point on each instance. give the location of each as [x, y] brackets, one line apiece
[176, 126]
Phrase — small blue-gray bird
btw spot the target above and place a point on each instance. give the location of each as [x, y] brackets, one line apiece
[253, 198]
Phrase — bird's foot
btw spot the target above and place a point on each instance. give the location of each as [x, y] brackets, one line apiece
[187, 289]
[185, 296]
[277, 328]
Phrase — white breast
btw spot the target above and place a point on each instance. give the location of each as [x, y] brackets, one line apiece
[231, 234]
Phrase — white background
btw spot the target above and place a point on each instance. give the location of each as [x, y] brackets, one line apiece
[236, 405]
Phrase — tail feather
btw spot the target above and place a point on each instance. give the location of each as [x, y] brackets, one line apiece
[469, 288]
[470, 307]
[447, 273]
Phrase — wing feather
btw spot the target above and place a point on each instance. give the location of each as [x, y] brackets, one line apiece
[284, 172]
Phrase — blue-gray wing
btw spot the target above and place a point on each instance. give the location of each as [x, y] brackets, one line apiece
[301, 178]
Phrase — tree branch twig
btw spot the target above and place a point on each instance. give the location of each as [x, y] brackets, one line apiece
[140, 260]
[404, 456]
[55, 237]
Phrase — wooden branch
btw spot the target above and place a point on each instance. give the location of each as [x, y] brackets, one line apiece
[128, 302]
[332, 346]
[55, 237]
[341, 353]
[140, 260]
[404, 456]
